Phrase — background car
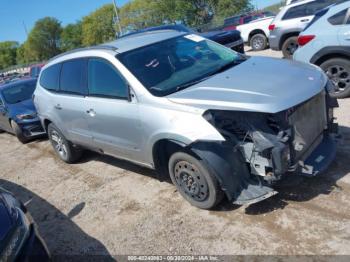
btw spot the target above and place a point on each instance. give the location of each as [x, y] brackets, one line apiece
[231, 23]
[17, 112]
[326, 43]
[231, 39]
[19, 237]
[34, 70]
[256, 33]
[292, 20]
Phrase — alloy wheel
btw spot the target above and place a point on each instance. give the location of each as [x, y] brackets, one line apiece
[59, 144]
[339, 76]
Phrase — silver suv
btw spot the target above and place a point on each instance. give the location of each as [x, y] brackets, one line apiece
[292, 20]
[215, 121]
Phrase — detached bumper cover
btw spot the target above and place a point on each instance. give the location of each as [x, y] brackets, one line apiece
[320, 159]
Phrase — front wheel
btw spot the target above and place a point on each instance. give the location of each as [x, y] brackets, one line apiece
[290, 46]
[194, 181]
[63, 148]
[338, 71]
[258, 42]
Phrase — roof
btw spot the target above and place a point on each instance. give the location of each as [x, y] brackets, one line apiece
[15, 83]
[135, 41]
[123, 44]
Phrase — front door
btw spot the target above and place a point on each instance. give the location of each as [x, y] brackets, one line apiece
[113, 118]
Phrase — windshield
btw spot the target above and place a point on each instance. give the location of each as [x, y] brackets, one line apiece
[19, 93]
[169, 66]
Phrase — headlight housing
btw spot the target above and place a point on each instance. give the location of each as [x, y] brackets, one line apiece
[20, 231]
[27, 116]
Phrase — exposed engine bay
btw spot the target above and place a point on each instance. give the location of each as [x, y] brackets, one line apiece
[274, 145]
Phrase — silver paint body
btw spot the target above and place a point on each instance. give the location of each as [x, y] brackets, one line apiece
[130, 129]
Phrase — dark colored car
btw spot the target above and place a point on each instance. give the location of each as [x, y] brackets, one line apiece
[17, 112]
[35, 70]
[19, 237]
[231, 39]
[232, 22]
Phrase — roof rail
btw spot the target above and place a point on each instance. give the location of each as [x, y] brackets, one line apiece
[98, 47]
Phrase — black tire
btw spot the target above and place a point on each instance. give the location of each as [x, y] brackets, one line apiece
[194, 181]
[290, 46]
[19, 133]
[338, 71]
[258, 42]
[63, 148]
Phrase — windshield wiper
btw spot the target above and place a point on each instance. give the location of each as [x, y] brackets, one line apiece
[191, 83]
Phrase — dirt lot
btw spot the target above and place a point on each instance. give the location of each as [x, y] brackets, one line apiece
[109, 207]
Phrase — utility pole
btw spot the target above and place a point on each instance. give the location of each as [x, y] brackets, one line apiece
[25, 28]
[117, 17]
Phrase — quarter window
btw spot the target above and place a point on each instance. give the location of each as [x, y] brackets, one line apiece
[73, 77]
[50, 77]
[339, 18]
[104, 80]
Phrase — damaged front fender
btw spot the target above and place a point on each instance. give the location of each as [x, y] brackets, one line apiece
[230, 169]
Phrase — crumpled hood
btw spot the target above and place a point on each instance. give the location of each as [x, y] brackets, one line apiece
[259, 84]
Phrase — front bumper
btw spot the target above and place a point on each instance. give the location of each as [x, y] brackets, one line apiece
[32, 128]
[34, 248]
[237, 46]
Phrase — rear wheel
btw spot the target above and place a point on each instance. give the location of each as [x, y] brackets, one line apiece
[194, 181]
[63, 148]
[290, 46]
[258, 42]
[18, 132]
[338, 71]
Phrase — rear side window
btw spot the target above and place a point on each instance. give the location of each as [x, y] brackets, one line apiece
[339, 18]
[306, 9]
[50, 77]
[73, 77]
[104, 80]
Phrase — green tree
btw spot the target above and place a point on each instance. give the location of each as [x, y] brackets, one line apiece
[71, 36]
[44, 40]
[226, 8]
[98, 27]
[8, 53]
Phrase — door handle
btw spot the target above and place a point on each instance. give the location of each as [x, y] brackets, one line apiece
[91, 112]
[305, 20]
[58, 107]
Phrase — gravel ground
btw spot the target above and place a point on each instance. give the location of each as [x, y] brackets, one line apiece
[104, 206]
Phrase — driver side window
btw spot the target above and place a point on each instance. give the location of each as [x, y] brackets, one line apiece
[105, 81]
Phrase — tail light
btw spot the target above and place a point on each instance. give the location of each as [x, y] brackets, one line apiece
[305, 39]
[272, 27]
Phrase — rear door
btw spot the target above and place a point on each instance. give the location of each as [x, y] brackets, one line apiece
[298, 17]
[70, 100]
[342, 21]
[113, 115]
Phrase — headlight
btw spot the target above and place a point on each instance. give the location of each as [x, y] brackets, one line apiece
[17, 239]
[27, 116]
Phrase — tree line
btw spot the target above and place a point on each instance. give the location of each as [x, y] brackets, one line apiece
[49, 38]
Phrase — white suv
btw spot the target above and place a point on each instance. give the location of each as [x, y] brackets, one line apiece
[326, 43]
[292, 20]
